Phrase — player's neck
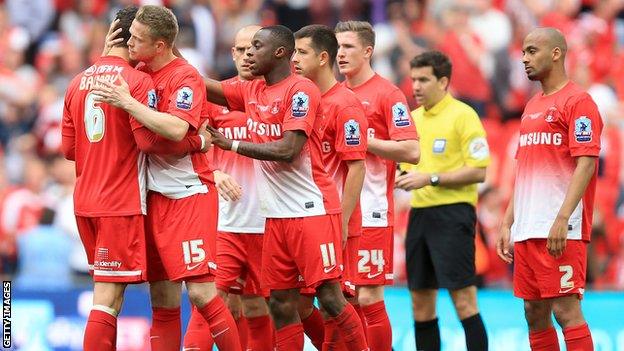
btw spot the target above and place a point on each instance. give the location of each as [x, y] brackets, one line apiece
[161, 61]
[554, 82]
[361, 76]
[325, 80]
[119, 52]
[278, 73]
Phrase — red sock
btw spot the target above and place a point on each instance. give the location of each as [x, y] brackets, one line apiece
[243, 331]
[165, 333]
[100, 332]
[260, 334]
[578, 338]
[352, 332]
[378, 330]
[360, 313]
[314, 328]
[197, 335]
[333, 339]
[222, 325]
[289, 338]
[544, 340]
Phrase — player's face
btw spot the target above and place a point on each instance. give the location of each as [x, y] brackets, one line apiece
[241, 45]
[260, 55]
[141, 46]
[428, 90]
[536, 57]
[352, 53]
[305, 59]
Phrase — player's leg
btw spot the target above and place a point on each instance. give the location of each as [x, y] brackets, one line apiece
[283, 304]
[197, 336]
[101, 328]
[311, 318]
[569, 316]
[542, 334]
[465, 302]
[165, 333]
[256, 311]
[235, 306]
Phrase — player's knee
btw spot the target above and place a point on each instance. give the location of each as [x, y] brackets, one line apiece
[282, 306]
[109, 295]
[255, 307]
[164, 295]
[465, 305]
[537, 315]
[331, 298]
[568, 315]
[369, 295]
[201, 293]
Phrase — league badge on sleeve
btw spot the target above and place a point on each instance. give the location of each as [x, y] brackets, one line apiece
[184, 101]
[583, 129]
[352, 132]
[400, 116]
[300, 104]
[479, 149]
[151, 99]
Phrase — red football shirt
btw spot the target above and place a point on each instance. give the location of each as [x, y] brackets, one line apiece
[110, 170]
[301, 188]
[388, 119]
[344, 139]
[180, 91]
[554, 130]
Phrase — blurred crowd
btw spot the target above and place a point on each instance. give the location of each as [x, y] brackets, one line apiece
[44, 43]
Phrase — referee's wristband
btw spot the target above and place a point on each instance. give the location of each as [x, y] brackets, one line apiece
[203, 141]
[234, 147]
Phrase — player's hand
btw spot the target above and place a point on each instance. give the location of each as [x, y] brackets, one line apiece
[227, 186]
[412, 180]
[219, 139]
[557, 236]
[345, 234]
[117, 95]
[503, 246]
[206, 134]
[111, 37]
[235, 305]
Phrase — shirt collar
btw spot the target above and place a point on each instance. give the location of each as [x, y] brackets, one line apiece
[441, 105]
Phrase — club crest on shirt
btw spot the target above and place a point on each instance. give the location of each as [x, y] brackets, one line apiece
[352, 132]
[583, 130]
[439, 145]
[400, 117]
[151, 99]
[300, 104]
[552, 114]
[184, 101]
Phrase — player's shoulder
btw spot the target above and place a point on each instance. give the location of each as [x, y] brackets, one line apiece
[181, 69]
[302, 85]
[575, 94]
[383, 86]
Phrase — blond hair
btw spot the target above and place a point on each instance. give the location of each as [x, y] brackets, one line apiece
[162, 23]
[363, 29]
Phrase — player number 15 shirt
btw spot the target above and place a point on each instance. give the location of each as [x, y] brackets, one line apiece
[555, 129]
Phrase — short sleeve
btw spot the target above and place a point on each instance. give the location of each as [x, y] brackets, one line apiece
[584, 128]
[474, 145]
[187, 97]
[398, 119]
[302, 104]
[145, 93]
[234, 92]
[351, 137]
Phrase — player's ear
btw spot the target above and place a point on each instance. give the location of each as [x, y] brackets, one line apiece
[368, 52]
[324, 58]
[280, 52]
[556, 53]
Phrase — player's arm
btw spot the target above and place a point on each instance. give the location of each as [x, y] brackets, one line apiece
[395, 150]
[68, 141]
[283, 150]
[356, 169]
[584, 171]
[165, 124]
[214, 92]
[152, 143]
[465, 175]
[503, 248]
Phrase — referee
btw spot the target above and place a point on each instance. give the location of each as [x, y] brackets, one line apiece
[440, 243]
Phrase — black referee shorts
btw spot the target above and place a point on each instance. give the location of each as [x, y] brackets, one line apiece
[440, 247]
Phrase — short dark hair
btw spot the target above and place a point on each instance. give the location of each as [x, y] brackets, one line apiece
[125, 17]
[282, 36]
[323, 39]
[439, 63]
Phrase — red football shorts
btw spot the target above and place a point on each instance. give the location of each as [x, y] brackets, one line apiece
[301, 252]
[538, 275]
[181, 237]
[115, 247]
[239, 256]
[375, 257]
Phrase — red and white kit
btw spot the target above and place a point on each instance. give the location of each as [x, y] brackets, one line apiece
[388, 119]
[345, 139]
[182, 202]
[299, 199]
[110, 193]
[554, 130]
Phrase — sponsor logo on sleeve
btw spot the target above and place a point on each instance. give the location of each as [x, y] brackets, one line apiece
[583, 129]
[352, 132]
[300, 104]
[184, 101]
[478, 148]
[151, 99]
[439, 145]
[400, 117]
